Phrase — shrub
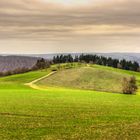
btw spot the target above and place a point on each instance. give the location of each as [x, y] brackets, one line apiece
[129, 85]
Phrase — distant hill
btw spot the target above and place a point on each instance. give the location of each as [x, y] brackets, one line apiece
[9, 63]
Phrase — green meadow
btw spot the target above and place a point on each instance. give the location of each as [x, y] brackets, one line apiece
[79, 103]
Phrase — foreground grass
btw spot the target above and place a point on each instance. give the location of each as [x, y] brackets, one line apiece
[57, 113]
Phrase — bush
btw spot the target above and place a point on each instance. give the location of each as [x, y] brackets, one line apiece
[129, 85]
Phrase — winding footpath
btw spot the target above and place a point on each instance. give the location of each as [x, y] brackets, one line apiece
[34, 86]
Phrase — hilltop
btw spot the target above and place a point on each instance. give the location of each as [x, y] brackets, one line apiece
[86, 77]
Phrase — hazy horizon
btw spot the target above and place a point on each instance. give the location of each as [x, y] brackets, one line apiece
[69, 26]
[69, 53]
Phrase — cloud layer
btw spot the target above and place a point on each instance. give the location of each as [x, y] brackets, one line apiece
[43, 20]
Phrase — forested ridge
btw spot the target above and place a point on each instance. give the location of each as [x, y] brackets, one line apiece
[100, 60]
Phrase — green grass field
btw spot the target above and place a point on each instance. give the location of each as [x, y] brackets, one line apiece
[70, 114]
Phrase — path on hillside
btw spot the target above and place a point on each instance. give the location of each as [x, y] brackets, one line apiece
[34, 86]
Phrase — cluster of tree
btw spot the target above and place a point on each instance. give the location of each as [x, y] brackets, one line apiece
[41, 64]
[129, 85]
[100, 60]
[63, 59]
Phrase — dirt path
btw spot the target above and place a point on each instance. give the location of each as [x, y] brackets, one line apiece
[34, 86]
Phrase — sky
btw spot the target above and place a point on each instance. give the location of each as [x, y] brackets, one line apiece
[69, 26]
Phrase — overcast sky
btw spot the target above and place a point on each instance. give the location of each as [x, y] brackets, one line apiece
[56, 26]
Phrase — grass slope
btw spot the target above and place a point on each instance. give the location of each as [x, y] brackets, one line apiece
[57, 113]
[86, 78]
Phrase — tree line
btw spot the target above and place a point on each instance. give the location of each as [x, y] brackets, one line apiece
[100, 60]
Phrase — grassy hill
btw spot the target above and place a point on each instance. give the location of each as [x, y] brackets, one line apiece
[61, 113]
[91, 78]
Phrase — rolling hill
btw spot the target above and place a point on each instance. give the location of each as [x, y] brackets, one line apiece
[67, 113]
